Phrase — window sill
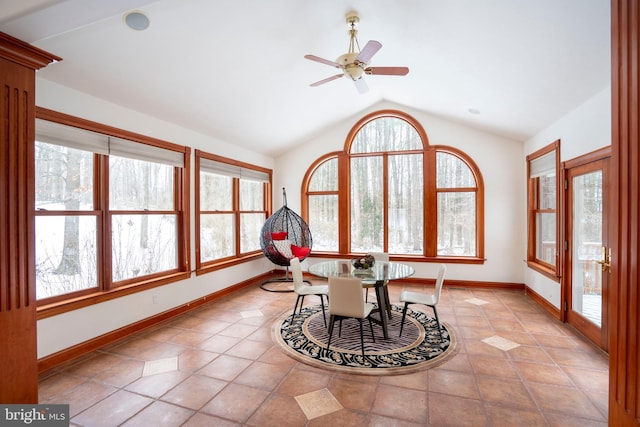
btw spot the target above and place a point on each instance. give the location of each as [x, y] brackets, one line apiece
[229, 262]
[544, 270]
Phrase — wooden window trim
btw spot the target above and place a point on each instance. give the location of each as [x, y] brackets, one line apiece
[551, 271]
[478, 190]
[430, 215]
[105, 290]
[238, 257]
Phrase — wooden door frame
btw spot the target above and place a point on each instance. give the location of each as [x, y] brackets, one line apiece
[624, 298]
[599, 338]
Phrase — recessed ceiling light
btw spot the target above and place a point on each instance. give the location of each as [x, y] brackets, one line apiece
[473, 111]
[136, 20]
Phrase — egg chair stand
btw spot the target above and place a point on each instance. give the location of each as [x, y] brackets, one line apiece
[284, 235]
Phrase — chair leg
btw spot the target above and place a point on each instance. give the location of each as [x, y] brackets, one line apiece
[361, 337]
[295, 308]
[340, 330]
[332, 320]
[324, 316]
[404, 314]
[435, 313]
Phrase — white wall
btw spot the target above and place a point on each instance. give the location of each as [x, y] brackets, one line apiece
[84, 324]
[62, 99]
[499, 160]
[583, 130]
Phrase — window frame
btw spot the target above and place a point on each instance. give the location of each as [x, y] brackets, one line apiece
[429, 199]
[107, 289]
[552, 271]
[96, 213]
[478, 190]
[238, 257]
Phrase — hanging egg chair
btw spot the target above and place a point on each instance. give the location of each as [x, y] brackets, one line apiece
[285, 235]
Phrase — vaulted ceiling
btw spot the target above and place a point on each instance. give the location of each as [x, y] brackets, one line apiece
[235, 69]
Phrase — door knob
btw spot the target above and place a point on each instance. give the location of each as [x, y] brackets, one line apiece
[606, 259]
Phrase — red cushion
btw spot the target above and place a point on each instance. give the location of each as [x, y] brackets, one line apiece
[300, 252]
[279, 235]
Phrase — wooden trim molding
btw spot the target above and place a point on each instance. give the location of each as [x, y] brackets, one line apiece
[467, 284]
[550, 308]
[590, 157]
[72, 353]
[18, 339]
[24, 54]
[78, 122]
[624, 298]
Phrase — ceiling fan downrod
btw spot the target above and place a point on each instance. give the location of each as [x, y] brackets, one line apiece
[352, 22]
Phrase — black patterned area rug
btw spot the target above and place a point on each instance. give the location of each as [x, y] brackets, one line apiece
[304, 337]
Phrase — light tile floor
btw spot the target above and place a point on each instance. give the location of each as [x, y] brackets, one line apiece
[218, 366]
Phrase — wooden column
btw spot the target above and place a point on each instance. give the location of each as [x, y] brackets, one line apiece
[624, 298]
[18, 353]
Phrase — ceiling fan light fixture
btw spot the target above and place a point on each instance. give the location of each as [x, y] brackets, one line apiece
[347, 58]
[354, 72]
[350, 67]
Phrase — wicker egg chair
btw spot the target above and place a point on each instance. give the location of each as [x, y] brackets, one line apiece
[284, 235]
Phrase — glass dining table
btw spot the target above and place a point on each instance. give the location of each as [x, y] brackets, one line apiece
[376, 277]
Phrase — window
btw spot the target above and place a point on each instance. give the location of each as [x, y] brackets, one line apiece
[542, 249]
[66, 223]
[456, 192]
[323, 206]
[143, 218]
[108, 210]
[389, 191]
[232, 204]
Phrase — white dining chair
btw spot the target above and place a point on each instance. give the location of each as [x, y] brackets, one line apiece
[346, 300]
[431, 300]
[300, 288]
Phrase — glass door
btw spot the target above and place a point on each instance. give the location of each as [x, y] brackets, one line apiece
[589, 254]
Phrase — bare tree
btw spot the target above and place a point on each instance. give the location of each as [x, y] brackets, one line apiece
[70, 261]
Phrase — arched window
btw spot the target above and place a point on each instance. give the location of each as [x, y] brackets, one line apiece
[322, 201]
[390, 191]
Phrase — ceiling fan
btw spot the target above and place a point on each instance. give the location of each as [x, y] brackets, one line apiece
[355, 64]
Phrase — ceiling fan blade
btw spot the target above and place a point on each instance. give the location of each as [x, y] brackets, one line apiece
[327, 80]
[387, 71]
[322, 60]
[368, 51]
[361, 85]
